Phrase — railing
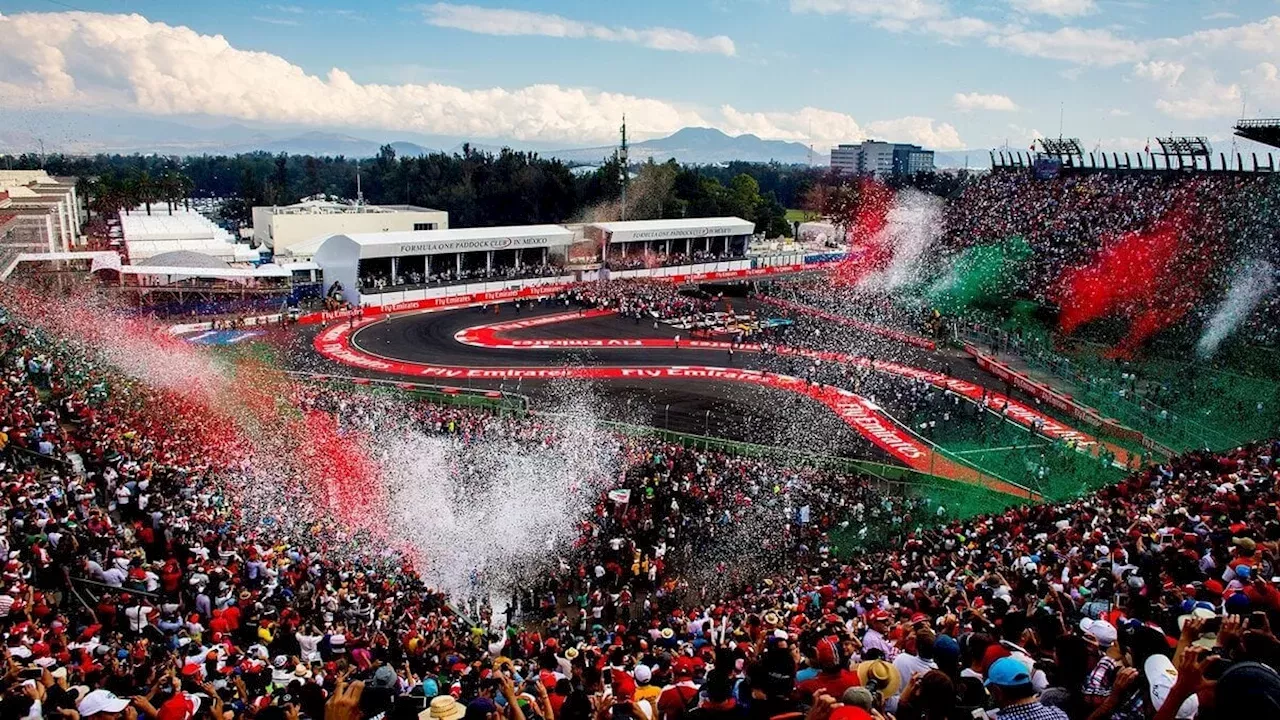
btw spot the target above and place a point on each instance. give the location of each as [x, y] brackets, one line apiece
[505, 402]
[1259, 123]
[41, 459]
[963, 499]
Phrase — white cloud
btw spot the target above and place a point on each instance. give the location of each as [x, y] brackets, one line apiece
[89, 61]
[875, 9]
[967, 102]
[274, 20]
[1259, 37]
[1263, 82]
[501, 21]
[1075, 45]
[1118, 112]
[1189, 93]
[1031, 133]
[1056, 8]
[291, 9]
[919, 130]
[825, 128]
[927, 16]
[1220, 15]
[1163, 72]
[954, 28]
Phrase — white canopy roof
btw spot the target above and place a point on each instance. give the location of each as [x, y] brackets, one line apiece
[160, 225]
[149, 235]
[265, 271]
[435, 242]
[675, 229]
[231, 252]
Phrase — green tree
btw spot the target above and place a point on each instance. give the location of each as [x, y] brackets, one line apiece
[278, 191]
[148, 189]
[311, 184]
[743, 196]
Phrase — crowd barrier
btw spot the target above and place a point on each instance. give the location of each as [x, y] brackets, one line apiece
[1064, 402]
[497, 400]
[959, 499]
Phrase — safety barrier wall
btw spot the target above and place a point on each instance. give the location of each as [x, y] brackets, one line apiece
[960, 499]
[1065, 403]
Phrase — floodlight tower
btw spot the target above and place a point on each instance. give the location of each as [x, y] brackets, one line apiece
[359, 190]
[622, 156]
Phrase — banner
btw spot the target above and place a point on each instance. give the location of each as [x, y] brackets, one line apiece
[622, 497]
[1041, 391]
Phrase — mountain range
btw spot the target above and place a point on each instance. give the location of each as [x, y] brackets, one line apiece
[84, 134]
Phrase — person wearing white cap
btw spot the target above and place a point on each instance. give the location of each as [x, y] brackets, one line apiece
[1161, 675]
[645, 690]
[1097, 686]
[103, 705]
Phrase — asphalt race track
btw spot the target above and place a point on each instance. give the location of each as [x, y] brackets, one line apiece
[548, 351]
[703, 407]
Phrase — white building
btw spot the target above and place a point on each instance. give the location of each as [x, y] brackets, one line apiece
[282, 228]
[146, 236]
[383, 268]
[47, 209]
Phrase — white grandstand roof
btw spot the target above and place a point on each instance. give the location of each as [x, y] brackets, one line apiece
[629, 230]
[433, 242]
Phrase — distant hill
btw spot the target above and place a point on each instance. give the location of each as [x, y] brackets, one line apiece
[957, 159]
[701, 146]
[325, 143]
[85, 133]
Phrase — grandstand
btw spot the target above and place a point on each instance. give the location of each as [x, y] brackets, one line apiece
[1265, 131]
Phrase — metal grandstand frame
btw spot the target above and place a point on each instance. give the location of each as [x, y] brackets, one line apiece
[1068, 151]
[1187, 151]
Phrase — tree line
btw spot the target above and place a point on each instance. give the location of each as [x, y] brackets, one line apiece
[477, 188]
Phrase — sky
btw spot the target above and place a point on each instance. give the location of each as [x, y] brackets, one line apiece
[948, 74]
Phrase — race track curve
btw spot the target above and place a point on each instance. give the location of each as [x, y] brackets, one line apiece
[648, 359]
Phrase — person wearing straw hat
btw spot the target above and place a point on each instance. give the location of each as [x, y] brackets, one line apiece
[443, 707]
[880, 677]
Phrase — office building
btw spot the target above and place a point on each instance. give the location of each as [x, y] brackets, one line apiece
[881, 159]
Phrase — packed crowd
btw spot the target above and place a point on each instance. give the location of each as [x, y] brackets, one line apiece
[1065, 218]
[374, 281]
[622, 261]
[637, 298]
[133, 586]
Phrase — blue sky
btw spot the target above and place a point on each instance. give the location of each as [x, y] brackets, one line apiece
[945, 73]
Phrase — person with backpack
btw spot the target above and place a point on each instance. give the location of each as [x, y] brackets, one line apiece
[678, 698]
